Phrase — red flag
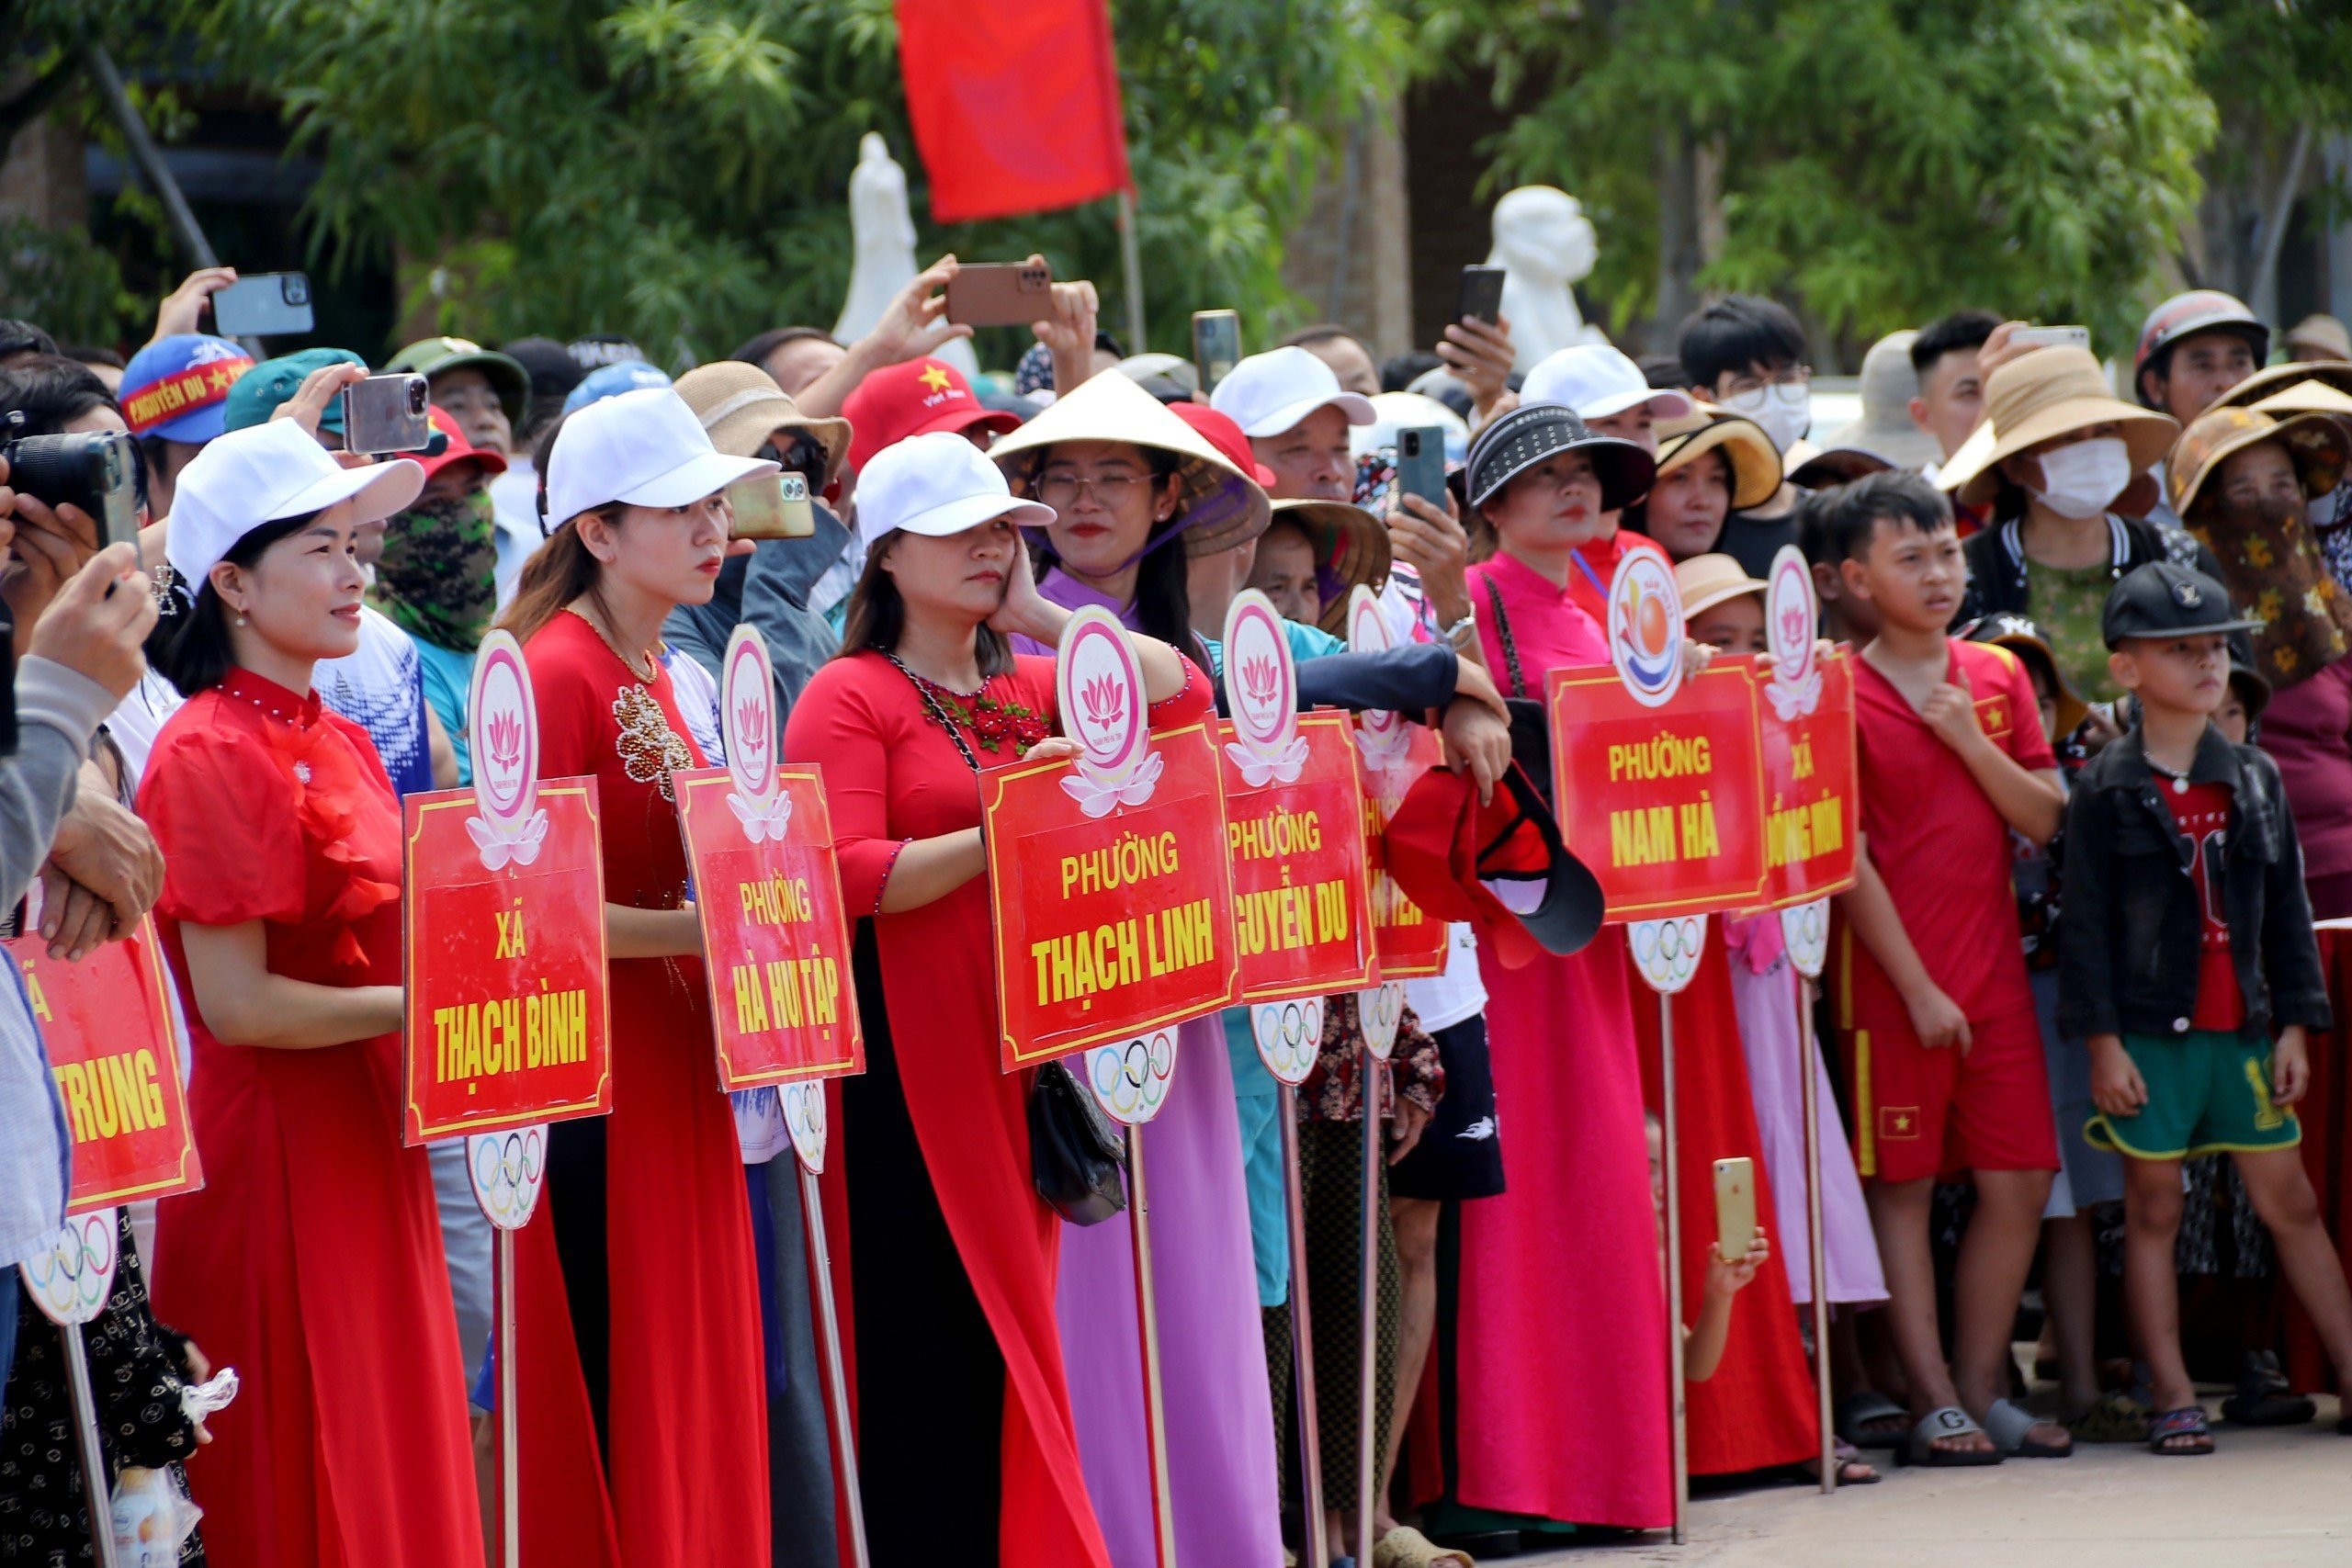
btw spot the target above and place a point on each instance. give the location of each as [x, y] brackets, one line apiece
[1015, 104]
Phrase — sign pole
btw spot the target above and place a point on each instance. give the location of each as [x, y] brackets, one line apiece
[510, 1463]
[1674, 1269]
[1367, 1386]
[95, 1490]
[1148, 1320]
[828, 1325]
[1310, 1436]
[1813, 1255]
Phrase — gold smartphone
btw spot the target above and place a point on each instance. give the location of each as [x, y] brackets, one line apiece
[1735, 1208]
[771, 506]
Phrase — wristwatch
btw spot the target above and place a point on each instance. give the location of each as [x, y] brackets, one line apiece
[1463, 632]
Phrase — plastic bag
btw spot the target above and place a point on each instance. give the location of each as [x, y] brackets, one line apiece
[201, 1399]
[152, 1514]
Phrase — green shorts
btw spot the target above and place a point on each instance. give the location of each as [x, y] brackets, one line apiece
[2206, 1092]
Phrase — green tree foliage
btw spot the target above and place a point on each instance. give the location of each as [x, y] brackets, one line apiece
[677, 169]
[1881, 161]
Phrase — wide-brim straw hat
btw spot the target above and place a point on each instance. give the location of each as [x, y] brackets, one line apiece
[2316, 442]
[1707, 581]
[2335, 374]
[1222, 506]
[1350, 544]
[1754, 461]
[740, 406]
[2041, 396]
[2308, 397]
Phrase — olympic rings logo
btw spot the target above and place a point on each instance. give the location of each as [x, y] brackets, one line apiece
[1379, 1010]
[804, 1115]
[1130, 1079]
[71, 1279]
[1667, 951]
[1289, 1037]
[508, 1169]
[1806, 931]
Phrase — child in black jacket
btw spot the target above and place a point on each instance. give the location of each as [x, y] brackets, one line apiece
[2187, 960]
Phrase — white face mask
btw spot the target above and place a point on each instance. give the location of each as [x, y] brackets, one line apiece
[2320, 509]
[1784, 407]
[2082, 480]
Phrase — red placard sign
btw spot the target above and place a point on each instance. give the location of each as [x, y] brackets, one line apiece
[1395, 752]
[1113, 900]
[1665, 803]
[1292, 798]
[775, 939]
[502, 931]
[1812, 809]
[107, 1028]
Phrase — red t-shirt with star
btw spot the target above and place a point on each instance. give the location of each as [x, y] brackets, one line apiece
[2202, 812]
[1937, 842]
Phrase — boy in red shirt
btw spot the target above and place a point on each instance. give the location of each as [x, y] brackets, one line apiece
[2179, 982]
[1944, 1055]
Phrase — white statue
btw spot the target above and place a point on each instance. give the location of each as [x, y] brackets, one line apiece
[882, 228]
[1545, 244]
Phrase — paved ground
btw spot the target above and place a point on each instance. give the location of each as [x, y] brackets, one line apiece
[2264, 1498]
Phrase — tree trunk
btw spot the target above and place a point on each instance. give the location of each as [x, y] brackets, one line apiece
[1680, 240]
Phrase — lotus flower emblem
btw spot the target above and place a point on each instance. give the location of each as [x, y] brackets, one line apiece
[1258, 680]
[504, 735]
[1104, 699]
[752, 724]
[1793, 630]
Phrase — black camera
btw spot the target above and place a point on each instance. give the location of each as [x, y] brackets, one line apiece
[97, 471]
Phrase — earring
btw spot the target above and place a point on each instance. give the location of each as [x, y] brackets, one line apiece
[241, 619]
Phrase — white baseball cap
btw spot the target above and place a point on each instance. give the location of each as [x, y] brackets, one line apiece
[936, 485]
[640, 448]
[1596, 382]
[266, 473]
[1269, 393]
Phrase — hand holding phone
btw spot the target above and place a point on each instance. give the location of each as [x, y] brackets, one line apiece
[1479, 295]
[387, 413]
[268, 304]
[1216, 345]
[771, 506]
[1735, 1208]
[2051, 337]
[1001, 294]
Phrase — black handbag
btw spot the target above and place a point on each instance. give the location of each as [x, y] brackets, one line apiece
[1076, 1152]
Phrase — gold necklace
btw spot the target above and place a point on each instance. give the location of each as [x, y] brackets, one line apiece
[653, 655]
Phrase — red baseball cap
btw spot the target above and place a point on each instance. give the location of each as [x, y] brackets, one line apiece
[914, 398]
[450, 446]
[1219, 430]
[1462, 861]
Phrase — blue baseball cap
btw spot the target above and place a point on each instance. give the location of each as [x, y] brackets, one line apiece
[611, 381]
[258, 394]
[178, 387]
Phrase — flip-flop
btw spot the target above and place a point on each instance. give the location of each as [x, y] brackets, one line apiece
[2189, 1421]
[1945, 1421]
[2264, 1398]
[2010, 1426]
[1406, 1547]
[1857, 1412]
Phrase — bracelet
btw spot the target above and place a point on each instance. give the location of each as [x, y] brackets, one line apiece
[1463, 632]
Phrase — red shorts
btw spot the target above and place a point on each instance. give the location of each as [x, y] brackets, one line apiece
[1918, 1113]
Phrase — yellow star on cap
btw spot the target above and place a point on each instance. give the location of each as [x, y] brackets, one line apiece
[934, 377]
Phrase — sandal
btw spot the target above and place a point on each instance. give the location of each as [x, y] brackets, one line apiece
[1868, 1419]
[1852, 1468]
[1406, 1547]
[1945, 1421]
[2011, 1429]
[2114, 1420]
[2263, 1397]
[2186, 1425]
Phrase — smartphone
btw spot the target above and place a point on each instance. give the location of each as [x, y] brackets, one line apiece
[267, 304]
[2051, 337]
[1480, 294]
[1420, 463]
[1735, 1207]
[1216, 345]
[771, 506]
[999, 294]
[386, 413]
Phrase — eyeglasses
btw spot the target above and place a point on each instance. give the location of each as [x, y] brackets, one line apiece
[802, 454]
[1111, 492]
[1789, 384]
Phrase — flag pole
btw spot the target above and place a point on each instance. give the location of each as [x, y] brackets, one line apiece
[1147, 1323]
[820, 1264]
[1131, 263]
[1367, 1370]
[1817, 1262]
[1673, 1150]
